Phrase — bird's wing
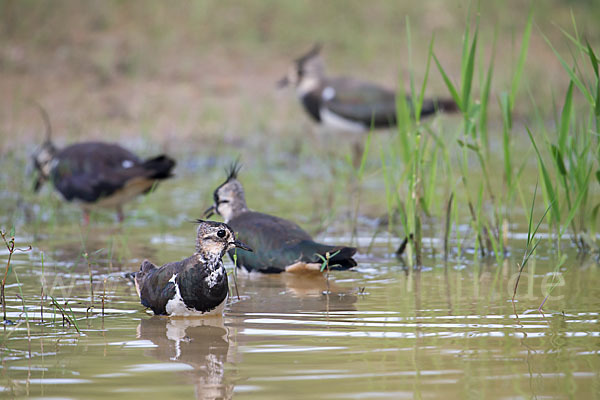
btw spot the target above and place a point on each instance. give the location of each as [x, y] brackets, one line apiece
[360, 101]
[156, 285]
[272, 240]
[90, 171]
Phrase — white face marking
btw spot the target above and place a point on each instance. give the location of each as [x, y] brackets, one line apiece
[224, 208]
[306, 85]
[127, 163]
[226, 200]
[328, 93]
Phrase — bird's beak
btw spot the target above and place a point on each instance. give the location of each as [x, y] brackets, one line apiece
[210, 211]
[242, 246]
[283, 82]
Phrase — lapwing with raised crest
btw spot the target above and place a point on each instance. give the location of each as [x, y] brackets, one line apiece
[346, 103]
[195, 286]
[97, 174]
[279, 245]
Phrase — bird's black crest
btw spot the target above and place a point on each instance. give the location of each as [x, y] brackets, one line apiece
[233, 170]
[316, 49]
[232, 173]
[205, 221]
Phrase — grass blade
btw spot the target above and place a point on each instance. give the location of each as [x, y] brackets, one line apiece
[565, 119]
[449, 84]
[522, 57]
[548, 187]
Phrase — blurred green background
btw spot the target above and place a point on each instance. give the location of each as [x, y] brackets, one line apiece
[204, 71]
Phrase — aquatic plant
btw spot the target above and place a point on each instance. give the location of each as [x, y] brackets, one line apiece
[234, 274]
[326, 265]
[9, 242]
[70, 319]
[531, 244]
[572, 150]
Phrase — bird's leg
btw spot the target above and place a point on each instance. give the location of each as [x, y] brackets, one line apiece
[120, 216]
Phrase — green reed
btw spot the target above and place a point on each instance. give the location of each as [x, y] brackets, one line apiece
[531, 244]
[9, 242]
[470, 140]
[24, 307]
[566, 161]
[419, 158]
[569, 152]
[66, 317]
[234, 274]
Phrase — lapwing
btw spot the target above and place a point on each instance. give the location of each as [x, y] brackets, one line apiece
[97, 174]
[279, 245]
[346, 103]
[196, 286]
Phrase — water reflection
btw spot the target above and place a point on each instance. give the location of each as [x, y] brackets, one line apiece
[202, 343]
[104, 245]
[449, 330]
[287, 292]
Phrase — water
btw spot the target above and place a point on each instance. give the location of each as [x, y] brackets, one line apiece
[373, 332]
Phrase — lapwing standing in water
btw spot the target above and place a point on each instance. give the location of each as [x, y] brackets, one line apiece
[279, 245]
[196, 286]
[97, 174]
[346, 103]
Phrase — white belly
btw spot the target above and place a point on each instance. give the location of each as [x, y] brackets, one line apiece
[334, 121]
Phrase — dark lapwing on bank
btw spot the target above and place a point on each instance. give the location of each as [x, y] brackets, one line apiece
[346, 103]
[97, 174]
[279, 245]
[196, 286]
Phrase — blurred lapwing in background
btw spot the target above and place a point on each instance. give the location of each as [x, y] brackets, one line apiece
[346, 103]
[97, 174]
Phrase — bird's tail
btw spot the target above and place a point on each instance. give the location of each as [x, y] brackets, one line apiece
[159, 167]
[131, 276]
[137, 276]
[431, 106]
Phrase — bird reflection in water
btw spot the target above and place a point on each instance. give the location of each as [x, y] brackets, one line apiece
[290, 292]
[202, 343]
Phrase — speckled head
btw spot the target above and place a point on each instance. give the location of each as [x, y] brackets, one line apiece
[42, 161]
[229, 198]
[214, 239]
[43, 157]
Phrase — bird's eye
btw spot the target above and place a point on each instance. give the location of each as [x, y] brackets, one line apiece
[221, 233]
